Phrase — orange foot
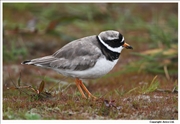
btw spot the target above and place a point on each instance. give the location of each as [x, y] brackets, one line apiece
[82, 87]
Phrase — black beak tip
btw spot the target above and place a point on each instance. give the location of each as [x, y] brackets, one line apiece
[129, 47]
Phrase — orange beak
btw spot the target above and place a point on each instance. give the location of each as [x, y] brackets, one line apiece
[127, 46]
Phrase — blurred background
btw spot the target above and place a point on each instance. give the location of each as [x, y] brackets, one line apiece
[32, 30]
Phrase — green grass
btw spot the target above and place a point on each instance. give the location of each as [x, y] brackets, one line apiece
[151, 88]
[11, 52]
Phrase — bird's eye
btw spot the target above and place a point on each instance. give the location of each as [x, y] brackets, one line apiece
[122, 40]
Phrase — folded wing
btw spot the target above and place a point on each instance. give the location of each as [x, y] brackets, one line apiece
[73, 56]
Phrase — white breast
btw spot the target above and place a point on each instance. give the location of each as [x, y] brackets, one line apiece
[102, 67]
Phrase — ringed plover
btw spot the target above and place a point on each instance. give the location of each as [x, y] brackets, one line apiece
[86, 58]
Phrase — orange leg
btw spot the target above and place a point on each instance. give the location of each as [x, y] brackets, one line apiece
[79, 88]
[85, 89]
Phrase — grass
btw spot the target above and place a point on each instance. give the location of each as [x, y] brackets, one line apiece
[151, 88]
[11, 51]
[142, 83]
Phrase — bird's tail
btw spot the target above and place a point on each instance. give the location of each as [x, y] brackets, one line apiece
[43, 61]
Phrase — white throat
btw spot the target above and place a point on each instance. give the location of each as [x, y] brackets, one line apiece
[116, 49]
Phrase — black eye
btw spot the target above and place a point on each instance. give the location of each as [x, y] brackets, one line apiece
[114, 43]
[121, 38]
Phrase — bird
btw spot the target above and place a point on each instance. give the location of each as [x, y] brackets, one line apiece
[90, 57]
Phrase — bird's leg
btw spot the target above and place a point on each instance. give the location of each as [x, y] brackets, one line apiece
[78, 83]
[86, 90]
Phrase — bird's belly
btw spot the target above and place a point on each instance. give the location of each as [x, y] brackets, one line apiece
[101, 68]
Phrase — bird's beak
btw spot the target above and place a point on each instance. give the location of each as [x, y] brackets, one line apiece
[127, 46]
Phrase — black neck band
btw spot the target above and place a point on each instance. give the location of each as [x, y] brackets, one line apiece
[110, 55]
